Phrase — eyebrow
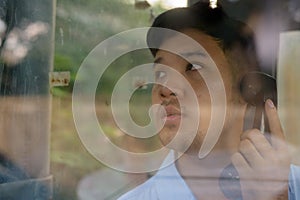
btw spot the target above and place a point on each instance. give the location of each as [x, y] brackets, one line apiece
[194, 53]
[184, 55]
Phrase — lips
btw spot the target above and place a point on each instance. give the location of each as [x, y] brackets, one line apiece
[172, 114]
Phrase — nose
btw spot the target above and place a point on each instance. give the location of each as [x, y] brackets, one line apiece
[165, 92]
[168, 91]
[170, 85]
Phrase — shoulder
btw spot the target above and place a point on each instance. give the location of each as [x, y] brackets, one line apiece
[145, 191]
[165, 184]
[295, 170]
[294, 183]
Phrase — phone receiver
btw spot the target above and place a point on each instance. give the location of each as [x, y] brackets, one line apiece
[256, 88]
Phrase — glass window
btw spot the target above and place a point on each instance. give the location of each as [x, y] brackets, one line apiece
[100, 96]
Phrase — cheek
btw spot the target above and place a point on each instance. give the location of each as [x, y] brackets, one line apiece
[201, 91]
[155, 95]
[156, 100]
[229, 80]
[204, 102]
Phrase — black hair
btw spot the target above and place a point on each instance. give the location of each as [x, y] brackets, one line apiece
[230, 33]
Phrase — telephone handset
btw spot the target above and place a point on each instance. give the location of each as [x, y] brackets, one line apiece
[255, 88]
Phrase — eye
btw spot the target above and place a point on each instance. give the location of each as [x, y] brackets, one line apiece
[160, 76]
[193, 67]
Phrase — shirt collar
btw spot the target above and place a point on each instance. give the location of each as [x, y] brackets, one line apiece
[168, 182]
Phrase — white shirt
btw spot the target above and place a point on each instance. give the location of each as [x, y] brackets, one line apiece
[167, 184]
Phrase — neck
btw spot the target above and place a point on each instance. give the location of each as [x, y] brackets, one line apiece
[208, 167]
[189, 163]
[201, 173]
[202, 176]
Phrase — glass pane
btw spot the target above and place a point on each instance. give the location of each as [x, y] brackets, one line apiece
[100, 96]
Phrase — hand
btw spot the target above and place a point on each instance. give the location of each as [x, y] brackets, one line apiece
[263, 164]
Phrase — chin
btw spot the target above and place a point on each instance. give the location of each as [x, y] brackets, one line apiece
[182, 144]
[194, 148]
[166, 135]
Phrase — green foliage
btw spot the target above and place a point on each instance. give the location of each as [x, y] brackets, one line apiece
[83, 24]
[80, 26]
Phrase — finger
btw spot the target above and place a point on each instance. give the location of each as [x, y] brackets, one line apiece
[260, 142]
[250, 153]
[277, 135]
[241, 165]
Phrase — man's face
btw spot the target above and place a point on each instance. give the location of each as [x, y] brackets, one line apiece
[172, 92]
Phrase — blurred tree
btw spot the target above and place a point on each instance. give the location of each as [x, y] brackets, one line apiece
[83, 24]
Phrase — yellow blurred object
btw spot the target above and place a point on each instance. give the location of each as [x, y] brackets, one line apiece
[213, 4]
[141, 4]
[289, 90]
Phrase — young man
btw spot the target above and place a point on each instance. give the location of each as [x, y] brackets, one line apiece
[243, 164]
